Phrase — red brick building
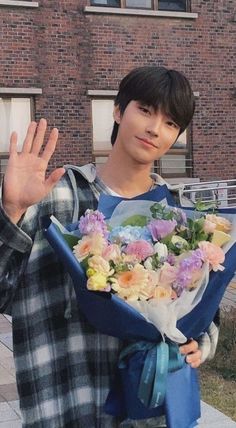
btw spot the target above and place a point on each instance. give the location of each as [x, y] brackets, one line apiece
[63, 60]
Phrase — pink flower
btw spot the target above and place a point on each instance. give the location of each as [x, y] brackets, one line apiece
[167, 275]
[112, 252]
[140, 249]
[213, 254]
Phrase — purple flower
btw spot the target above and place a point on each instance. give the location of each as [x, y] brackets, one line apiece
[180, 216]
[183, 280]
[171, 259]
[194, 261]
[161, 228]
[93, 222]
[187, 267]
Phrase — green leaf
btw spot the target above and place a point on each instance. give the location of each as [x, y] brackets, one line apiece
[71, 240]
[203, 206]
[135, 220]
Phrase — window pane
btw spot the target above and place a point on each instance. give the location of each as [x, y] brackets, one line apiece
[102, 116]
[3, 165]
[110, 3]
[139, 4]
[178, 5]
[181, 143]
[173, 164]
[15, 115]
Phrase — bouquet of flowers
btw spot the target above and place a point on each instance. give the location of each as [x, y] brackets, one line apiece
[147, 278]
[158, 262]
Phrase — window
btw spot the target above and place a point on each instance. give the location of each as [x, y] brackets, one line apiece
[102, 117]
[15, 115]
[178, 5]
[177, 163]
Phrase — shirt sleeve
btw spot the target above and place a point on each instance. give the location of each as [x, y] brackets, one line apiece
[207, 342]
[15, 244]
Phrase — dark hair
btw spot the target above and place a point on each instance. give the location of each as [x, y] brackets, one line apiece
[167, 90]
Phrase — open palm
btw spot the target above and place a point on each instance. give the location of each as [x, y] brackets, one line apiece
[25, 181]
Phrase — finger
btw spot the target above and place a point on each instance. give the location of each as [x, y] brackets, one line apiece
[51, 145]
[53, 178]
[39, 137]
[189, 347]
[193, 358]
[29, 137]
[13, 143]
[196, 364]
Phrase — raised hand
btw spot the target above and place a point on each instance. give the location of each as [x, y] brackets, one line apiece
[25, 181]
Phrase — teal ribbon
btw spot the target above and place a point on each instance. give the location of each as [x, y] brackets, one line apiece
[160, 359]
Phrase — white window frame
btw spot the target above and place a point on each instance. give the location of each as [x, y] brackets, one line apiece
[122, 10]
[16, 93]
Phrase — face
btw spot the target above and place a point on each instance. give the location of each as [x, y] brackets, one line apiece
[144, 134]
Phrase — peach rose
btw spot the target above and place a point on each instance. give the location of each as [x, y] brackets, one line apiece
[213, 254]
[209, 226]
[221, 223]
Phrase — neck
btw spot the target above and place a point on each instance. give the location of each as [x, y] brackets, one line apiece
[125, 176]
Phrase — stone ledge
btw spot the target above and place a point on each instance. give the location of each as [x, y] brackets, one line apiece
[139, 12]
[109, 93]
[21, 91]
[19, 3]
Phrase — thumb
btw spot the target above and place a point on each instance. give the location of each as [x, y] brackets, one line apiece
[53, 178]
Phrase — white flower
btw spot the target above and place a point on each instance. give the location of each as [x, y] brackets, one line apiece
[148, 263]
[161, 250]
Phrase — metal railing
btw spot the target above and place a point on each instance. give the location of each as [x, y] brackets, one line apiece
[220, 192]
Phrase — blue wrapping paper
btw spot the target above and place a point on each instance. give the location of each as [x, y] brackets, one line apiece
[111, 315]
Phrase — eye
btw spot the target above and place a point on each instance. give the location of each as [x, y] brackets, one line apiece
[144, 109]
[172, 124]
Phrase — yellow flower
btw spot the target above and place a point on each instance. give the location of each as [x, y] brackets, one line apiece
[90, 272]
[97, 282]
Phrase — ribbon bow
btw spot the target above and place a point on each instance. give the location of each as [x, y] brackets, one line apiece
[160, 359]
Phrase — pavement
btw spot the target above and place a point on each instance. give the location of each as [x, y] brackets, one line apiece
[9, 405]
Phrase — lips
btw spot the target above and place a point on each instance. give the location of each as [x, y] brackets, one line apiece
[146, 141]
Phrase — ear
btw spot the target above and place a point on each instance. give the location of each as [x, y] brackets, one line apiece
[116, 114]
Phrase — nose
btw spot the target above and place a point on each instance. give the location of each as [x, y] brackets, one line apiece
[153, 127]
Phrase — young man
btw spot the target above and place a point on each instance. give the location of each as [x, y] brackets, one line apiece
[64, 367]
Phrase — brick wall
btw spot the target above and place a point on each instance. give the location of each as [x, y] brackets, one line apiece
[65, 51]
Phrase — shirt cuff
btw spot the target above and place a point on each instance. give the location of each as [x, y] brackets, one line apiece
[207, 342]
[11, 234]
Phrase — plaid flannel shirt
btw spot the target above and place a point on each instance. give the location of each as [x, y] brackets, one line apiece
[64, 367]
